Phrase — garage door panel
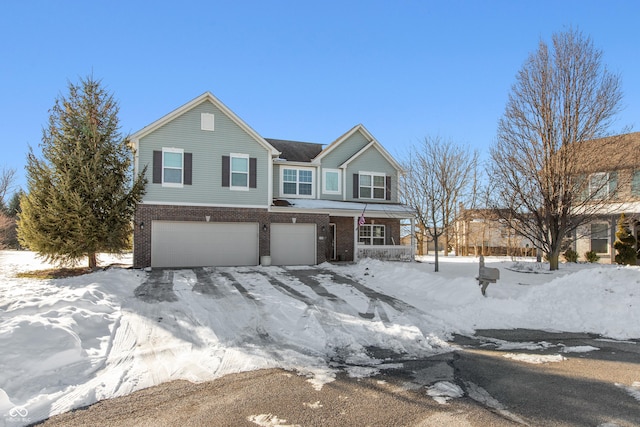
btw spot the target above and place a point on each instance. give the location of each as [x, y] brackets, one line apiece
[293, 244]
[196, 244]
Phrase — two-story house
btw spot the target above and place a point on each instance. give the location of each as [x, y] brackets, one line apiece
[612, 181]
[219, 194]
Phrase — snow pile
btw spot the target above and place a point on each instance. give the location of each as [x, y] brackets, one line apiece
[67, 343]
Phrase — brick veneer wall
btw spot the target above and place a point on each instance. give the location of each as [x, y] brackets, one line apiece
[345, 230]
[146, 214]
[344, 237]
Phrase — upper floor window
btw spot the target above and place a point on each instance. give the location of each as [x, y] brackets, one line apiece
[602, 185]
[172, 166]
[372, 186]
[297, 182]
[239, 171]
[331, 181]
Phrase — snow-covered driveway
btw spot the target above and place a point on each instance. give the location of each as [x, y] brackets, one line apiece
[67, 343]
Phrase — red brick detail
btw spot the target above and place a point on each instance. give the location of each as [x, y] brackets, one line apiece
[146, 214]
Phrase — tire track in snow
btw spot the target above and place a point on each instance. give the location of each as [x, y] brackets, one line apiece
[424, 321]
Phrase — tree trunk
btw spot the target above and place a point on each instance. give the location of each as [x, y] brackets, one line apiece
[554, 256]
[93, 261]
[435, 241]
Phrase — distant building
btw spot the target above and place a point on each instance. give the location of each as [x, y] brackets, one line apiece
[482, 232]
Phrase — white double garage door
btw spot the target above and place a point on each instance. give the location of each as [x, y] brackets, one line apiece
[199, 244]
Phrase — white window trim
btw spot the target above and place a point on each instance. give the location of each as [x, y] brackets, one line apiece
[372, 174]
[207, 122]
[608, 238]
[297, 195]
[324, 181]
[371, 238]
[173, 184]
[238, 187]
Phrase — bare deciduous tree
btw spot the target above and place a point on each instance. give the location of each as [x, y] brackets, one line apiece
[563, 99]
[438, 176]
[6, 181]
[7, 176]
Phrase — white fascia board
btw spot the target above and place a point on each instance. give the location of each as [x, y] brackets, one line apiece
[209, 205]
[341, 212]
[613, 208]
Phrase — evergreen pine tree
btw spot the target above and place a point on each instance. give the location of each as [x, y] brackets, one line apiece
[624, 244]
[81, 194]
[13, 208]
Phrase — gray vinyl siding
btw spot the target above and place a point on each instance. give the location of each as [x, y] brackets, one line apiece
[372, 161]
[344, 151]
[207, 148]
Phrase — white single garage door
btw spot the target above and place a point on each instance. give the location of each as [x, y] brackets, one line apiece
[293, 244]
[200, 244]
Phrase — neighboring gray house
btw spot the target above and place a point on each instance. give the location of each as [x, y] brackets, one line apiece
[616, 163]
[219, 194]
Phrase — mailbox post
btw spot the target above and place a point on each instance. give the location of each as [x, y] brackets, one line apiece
[486, 275]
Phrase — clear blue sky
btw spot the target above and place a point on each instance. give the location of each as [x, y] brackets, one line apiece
[298, 69]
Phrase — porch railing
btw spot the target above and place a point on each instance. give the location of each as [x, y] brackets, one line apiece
[385, 252]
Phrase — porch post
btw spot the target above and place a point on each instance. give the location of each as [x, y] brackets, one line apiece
[413, 239]
[355, 239]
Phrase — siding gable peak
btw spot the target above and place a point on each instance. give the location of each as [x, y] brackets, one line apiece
[373, 142]
[207, 96]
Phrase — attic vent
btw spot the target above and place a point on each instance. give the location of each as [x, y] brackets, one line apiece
[207, 121]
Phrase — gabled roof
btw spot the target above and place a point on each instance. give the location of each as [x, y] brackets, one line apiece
[372, 143]
[610, 153]
[295, 151]
[207, 96]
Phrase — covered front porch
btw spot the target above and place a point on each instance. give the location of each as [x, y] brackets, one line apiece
[360, 230]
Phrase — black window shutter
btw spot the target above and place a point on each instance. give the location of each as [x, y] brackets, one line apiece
[226, 168]
[253, 173]
[356, 186]
[388, 188]
[188, 167]
[157, 167]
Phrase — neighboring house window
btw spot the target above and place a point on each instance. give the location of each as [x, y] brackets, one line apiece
[239, 171]
[207, 122]
[331, 181]
[297, 182]
[635, 183]
[372, 186]
[600, 238]
[371, 234]
[602, 185]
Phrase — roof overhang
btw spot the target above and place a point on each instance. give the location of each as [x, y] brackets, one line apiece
[347, 209]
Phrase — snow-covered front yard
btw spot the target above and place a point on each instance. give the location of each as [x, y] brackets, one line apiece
[66, 343]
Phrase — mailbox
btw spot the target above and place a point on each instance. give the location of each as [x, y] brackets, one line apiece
[486, 275]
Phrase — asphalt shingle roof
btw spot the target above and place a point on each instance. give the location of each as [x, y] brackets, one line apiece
[296, 151]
